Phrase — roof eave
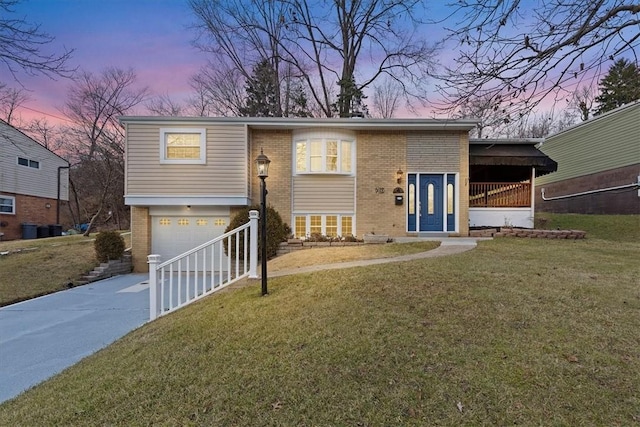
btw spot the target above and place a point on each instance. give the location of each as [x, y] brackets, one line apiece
[302, 123]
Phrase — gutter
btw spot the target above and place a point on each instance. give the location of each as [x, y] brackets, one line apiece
[619, 187]
[58, 199]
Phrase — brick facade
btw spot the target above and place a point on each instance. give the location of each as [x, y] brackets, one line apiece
[278, 146]
[29, 209]
[625, 201]
[379, 156]
[140, 238]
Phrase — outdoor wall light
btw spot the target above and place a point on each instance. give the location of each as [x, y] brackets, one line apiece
[262, 164]
[399, 175]
[47, 205]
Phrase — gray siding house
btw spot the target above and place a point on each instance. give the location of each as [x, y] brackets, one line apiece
[598, 166]
[33, 182]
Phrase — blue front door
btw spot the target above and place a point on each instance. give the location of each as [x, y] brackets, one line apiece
[431, 213]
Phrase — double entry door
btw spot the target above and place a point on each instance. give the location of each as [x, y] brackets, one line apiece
[431, 202]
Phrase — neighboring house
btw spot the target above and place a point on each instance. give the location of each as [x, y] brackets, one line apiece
[33, 180]
[185, 177]
[598, 166]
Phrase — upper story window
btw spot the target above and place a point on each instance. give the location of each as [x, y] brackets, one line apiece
[183, 145]
[28, 163]
[7, 205]
[324, 155]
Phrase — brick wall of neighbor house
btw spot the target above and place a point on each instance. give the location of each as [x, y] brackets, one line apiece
[625, 201]
[277, 146]
[379, 156]
[29, 209]
[140, 238]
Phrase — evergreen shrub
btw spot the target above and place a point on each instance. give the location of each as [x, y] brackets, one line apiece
[277, 231]
[109, 245]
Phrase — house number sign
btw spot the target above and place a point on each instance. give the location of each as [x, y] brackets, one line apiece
[379, 190]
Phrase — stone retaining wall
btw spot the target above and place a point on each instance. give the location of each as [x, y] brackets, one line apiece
[530, 233]
[108, 269]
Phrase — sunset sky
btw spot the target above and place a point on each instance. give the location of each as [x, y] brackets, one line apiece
[151, 36]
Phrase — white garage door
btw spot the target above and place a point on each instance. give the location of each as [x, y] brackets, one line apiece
[174, 235]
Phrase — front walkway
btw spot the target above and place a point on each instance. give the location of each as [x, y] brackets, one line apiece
[448, 246]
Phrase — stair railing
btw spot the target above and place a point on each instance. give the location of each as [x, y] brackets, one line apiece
[203, 270]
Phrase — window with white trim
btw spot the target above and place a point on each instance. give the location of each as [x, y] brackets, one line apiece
[329, 225]
[7, 205]
[183, 145]
[324, 155]
[28, 163]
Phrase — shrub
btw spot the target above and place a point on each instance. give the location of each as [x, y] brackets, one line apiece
[109, 245]
[277, 231]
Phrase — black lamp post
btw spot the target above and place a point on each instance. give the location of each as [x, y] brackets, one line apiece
[262, 163]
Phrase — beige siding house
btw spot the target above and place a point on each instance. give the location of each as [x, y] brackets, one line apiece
[598, 165]
[33, 182]
[336, 177]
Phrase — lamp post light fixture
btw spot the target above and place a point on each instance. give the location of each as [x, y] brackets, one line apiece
[262, 164]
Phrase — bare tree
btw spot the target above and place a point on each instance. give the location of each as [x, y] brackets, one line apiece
[521, 52]
[492, 118]
[163, 105]
[10, 101]
[22, 46]
[386, 97]
[582, 102]
[45, 133]
[333, 43]
[93, 105]
[218, 91]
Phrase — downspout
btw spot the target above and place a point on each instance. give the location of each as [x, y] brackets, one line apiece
[58, 198]
[619, 187]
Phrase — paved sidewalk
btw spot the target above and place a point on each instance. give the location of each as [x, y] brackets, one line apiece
[43, 336]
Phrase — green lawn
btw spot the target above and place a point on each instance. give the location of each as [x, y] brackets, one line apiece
[42, 266]
[515, 332]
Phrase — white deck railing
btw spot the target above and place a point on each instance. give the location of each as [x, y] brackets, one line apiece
[203, 270]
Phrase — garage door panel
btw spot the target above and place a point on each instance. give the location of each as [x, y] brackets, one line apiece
[175, 235]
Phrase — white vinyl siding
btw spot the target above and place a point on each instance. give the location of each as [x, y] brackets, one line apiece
[224, 174]
[39, 176]
[324, 193]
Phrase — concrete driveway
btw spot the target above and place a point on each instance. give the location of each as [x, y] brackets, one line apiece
[41, 337]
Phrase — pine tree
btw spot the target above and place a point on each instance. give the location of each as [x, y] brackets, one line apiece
[262, 89]
[620, 86]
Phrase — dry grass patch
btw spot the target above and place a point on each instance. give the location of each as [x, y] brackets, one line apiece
[517, 331]
[337, 254]
[43, 266]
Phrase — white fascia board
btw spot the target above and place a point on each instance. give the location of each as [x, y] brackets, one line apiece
[302, 123]
[192, 200]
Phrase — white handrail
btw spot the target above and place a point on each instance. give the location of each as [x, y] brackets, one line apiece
[207, 274]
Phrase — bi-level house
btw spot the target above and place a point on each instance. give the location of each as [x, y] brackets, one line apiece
[33, 182]
[185, 177]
